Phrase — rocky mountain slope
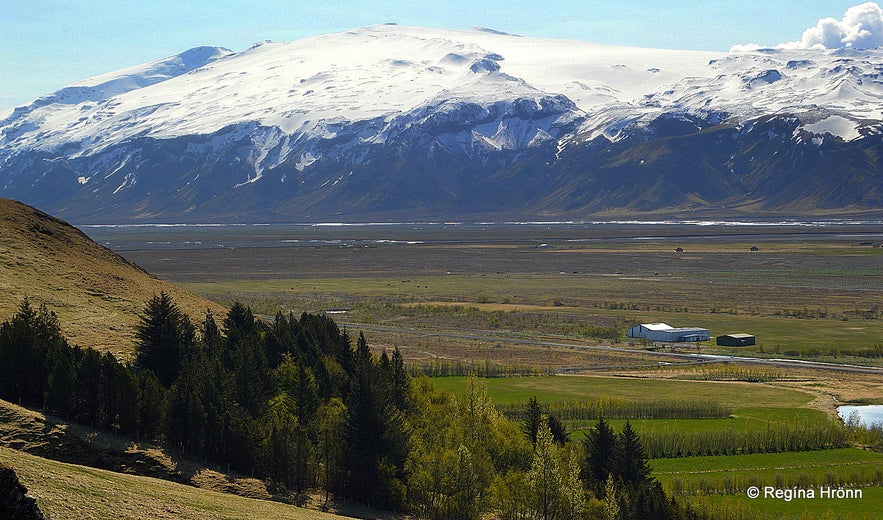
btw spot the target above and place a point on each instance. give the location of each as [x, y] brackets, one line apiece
[97, 294]
[392, 122]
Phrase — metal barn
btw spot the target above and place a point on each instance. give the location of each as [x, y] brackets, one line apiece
[735, 340]
[665, 333]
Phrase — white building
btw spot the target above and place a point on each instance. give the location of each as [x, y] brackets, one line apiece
[665, 333]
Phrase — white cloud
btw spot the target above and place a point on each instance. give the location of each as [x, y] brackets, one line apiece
[860, 28]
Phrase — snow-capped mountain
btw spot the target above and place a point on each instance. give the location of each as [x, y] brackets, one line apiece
[390, 121]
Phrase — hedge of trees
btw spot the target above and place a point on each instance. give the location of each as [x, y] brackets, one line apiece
[803, 437]
[610, 407]
[297, 402]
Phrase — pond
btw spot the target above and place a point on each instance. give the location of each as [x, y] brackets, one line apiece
[868, 414]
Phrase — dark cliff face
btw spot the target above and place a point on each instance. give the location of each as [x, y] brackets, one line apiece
[14, 500]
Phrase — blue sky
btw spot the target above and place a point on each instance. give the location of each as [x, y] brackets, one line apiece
[47, 44]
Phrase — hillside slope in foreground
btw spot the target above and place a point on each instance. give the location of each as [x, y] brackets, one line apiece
[97, 295]
[71, 491]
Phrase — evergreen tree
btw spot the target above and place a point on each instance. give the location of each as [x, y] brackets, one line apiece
[598, 446]
[212, 342]
[25, 345]
[88, 371]
[117, 394]
[533, 420]
[332, 443]
[152, 405]
[296, 381]
[559, 431]
[377, 442]
[164, 337]
[251, 373]
[401, 381]
[239, 323]
[629, 463]
[61, 383]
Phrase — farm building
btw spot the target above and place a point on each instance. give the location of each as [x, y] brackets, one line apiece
[735, 340]
[668, 334]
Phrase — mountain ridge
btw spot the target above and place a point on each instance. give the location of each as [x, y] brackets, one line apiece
[417, 122]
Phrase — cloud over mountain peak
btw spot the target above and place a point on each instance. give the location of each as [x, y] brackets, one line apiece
[860, 28]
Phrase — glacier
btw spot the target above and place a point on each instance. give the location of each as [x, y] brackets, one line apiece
[371, 120]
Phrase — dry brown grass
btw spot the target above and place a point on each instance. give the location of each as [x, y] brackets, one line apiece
[78, 492]
[78, 472]
[97, 294]
[51, 437]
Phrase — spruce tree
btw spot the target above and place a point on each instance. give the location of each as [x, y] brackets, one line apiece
[599, 446]
[377, 442]
[559, 431]
[165, 336]
[533, 420]
[401, 381]
[629, 463]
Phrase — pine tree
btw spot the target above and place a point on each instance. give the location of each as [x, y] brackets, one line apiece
[26, 342]
[533, 420]
[598, 446]
[559, 431]
[401, 381]
[165, 336]
[152, 405]
[377, 442]
[332, 443]
[61, 382]
[212, 342]
[297, 381]
[629, 463]
[88, 371]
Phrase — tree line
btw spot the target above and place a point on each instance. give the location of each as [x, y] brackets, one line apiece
[299, 403]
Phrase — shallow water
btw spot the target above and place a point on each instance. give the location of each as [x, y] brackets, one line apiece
[868, 414]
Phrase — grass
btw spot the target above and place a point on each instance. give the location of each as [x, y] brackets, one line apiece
[96, 294]
[694, 467]
[574, 298]
[68, 491]
[744, 419]
[741, 507]
[723, 480]
[559, 388]
[591, 275]
[595, 275]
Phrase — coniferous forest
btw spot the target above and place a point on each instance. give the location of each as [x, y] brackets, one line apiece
[300, 403]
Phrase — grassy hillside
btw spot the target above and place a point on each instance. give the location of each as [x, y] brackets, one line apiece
[76, 472]
[97, 294]
[71, 491]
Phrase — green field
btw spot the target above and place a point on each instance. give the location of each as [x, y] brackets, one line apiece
[741, 396]
[723, 481]
[705, 479]
[814, 295]
[782, 408]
